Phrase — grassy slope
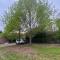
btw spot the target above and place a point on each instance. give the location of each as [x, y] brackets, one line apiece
[41, 52]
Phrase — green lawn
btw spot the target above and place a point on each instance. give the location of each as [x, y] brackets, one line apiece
[34, 52]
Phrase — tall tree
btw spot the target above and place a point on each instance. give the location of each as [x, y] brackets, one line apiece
[28, 11]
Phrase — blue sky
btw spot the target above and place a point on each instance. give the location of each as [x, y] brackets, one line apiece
[4, 4]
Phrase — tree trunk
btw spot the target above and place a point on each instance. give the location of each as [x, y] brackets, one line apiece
[30, 42]
[19, 34]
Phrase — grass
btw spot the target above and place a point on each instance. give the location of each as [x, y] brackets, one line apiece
[34, 52]
[48, 52]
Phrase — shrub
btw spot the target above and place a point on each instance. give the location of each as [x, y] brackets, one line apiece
[11, 37]
[46, 37]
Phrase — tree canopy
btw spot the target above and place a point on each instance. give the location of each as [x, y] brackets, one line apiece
[28, 14]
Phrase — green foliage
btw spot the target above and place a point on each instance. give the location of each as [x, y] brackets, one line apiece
[10, 36]
[13, 19]
[0, 31]
[43, 14]
[24, 12]
[46, 37]
[58, 23]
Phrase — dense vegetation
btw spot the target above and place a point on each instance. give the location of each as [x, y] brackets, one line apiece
[35, 18]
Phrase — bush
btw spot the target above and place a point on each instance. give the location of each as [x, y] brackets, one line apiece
[10, 37]
[39, 38]
[46, 37]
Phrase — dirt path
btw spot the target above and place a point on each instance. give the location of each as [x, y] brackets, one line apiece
[7, 44]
